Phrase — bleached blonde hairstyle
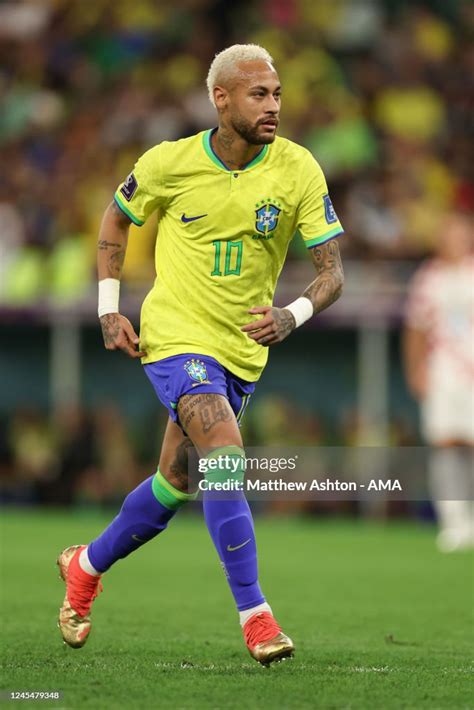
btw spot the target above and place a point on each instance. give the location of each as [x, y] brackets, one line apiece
[224, 64]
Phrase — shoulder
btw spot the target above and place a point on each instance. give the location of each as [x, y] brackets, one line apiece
[289, 150]
[183, 147]
[171, 152]
[298, 161]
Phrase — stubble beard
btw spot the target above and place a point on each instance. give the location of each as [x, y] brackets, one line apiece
[249, 132]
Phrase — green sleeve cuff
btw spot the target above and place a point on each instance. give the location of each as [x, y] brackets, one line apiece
[317, 241]
[126, 211]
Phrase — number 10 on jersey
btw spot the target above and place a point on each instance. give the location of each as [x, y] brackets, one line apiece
[231, 253]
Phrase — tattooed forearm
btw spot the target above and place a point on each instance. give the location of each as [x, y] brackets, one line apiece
[110, 325]
[112, 243]
[327, 286]
[115, 263]
[103, 244]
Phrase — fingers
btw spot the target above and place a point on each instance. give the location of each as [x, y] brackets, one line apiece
[131, 352]
[132, 340]
[263, 330]
[261, 322]
[124, 344]
[256, 325]
[257, 335]
[119, 334]
[129, 331]
[259, 309]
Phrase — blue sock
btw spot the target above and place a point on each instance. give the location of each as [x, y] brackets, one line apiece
[230, 524]
[145, 513]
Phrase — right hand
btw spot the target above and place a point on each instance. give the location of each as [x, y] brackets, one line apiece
[119, 334]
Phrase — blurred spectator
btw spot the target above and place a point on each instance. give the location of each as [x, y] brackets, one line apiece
[439, 361]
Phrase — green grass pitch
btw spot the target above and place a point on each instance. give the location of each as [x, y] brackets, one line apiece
[380, 619]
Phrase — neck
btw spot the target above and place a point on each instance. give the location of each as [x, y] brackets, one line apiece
[232, 149]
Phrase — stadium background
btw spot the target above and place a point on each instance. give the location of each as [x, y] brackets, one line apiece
[379, 92]
[376, 90]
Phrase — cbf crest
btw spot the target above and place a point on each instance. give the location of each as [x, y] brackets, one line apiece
[197, 371]
[266, 218]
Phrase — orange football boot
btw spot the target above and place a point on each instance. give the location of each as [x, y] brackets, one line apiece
[81, 590]
[265, 640]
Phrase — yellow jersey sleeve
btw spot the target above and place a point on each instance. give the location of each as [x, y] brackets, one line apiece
[316, 218]
[143, 192]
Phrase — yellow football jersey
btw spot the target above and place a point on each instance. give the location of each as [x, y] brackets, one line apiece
[222, 240]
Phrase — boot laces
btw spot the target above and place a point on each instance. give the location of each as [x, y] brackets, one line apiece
[259, 628]
[83, 588]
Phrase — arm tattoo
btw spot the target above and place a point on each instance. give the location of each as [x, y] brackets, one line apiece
[114, 258]
[327, 286]
[110, 325]
[115, 263]
[103, 244]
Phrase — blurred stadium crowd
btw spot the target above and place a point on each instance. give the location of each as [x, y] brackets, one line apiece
[96, 457]
[378, 90]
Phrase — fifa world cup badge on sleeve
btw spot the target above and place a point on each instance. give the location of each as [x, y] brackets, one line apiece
[129, 187]
[329, 212]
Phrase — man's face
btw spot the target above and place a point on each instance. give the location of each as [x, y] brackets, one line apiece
[251, 102]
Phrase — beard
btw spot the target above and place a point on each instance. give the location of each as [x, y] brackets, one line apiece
[249, 131]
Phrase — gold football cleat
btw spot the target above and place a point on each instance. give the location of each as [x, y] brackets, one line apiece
[81, 590]
[265, 640]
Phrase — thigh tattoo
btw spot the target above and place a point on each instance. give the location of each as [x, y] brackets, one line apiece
[209, 409]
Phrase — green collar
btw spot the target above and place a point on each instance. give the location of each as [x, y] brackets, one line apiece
[206, 141]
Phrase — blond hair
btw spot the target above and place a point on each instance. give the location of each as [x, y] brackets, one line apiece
[224, 63]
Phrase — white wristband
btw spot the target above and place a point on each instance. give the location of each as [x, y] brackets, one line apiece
[109, 292]
[302, 310]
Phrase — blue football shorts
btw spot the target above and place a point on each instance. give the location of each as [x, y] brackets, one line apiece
[192, 373]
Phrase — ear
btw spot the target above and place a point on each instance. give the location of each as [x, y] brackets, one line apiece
[220, 97]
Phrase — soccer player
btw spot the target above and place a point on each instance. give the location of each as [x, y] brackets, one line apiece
[228, 201]
[439, 361]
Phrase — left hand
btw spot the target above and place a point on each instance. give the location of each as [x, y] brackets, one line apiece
[275, 326]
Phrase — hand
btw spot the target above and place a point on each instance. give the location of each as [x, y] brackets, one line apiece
[275, 326]
[119, 334]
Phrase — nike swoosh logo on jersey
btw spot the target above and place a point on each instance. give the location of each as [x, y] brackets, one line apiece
[138, 539]
[237, 547]
[191, 219]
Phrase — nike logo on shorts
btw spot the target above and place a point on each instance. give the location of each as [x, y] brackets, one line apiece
[191, 219]
[237, 547]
